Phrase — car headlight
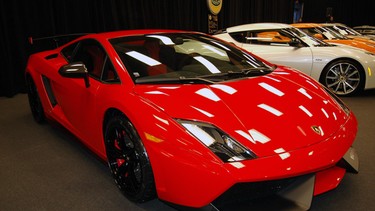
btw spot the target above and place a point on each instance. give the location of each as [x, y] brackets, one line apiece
[220, 143]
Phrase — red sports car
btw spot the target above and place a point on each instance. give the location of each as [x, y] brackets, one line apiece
[193, 120]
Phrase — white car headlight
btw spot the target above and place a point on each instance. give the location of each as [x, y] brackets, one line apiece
[220, 143]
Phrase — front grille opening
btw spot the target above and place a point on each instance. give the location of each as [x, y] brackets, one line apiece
[257, 196]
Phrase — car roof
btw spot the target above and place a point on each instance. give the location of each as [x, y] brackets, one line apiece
[305, 25]
[115, 34]
[364, 27]
[257, 26]
[334, 24]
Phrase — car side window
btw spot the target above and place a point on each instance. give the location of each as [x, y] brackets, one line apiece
[109, 74]
[245, 37]
[69, 51]
[96, 60]
[239, 36]
[270, 38]
[261, 38]
[92, 55]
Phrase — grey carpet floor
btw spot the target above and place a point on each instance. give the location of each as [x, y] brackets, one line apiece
[42, 167]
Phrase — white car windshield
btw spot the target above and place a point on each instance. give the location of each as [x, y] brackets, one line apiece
[299, 34]
[335, 34]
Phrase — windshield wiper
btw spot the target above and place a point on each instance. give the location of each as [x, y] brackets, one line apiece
[248, 72]
[207, 79]
[179, 80]
[255, 71]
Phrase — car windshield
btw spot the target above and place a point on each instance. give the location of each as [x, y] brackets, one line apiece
[184, 58]
[314, 33]
[344, 30]
[336, 34]
[297, 33]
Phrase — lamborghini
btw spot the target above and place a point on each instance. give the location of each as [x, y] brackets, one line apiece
[192, 120]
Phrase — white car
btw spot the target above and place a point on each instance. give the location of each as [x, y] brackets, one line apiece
[366, 30]
[345, 70]
[347, 31]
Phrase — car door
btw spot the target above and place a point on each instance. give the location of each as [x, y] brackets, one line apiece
[78, 102]
[278, 48]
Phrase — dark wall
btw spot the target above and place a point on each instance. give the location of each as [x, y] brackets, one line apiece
[350, 12]
[21, 19]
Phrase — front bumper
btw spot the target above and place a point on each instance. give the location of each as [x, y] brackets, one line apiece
[294, 192]
[215, 183]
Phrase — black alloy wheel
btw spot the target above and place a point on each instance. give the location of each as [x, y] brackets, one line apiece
[343, 77]
[128, 160]
[34, 101]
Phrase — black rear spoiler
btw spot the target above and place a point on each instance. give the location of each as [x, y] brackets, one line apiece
[52, 42]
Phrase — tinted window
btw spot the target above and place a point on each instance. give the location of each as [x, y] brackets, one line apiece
[92, 54]
[180, 55]
[276, 37]
[69, 51]
[268, 37]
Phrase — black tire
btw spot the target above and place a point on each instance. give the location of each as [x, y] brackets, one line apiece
[34, 101]
[128, 160]
[343, 77]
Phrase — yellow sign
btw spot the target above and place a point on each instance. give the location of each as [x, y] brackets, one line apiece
[214, 6]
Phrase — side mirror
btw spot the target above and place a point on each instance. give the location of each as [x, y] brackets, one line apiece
[75, 70]
[295, 42]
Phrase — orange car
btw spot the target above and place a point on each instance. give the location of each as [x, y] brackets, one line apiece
[329, 36]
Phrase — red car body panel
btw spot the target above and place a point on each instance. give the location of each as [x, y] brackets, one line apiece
[273, 115]
[328, 179]
[243, 109]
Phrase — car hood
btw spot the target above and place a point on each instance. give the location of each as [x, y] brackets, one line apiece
[354, 43]
[273, 114]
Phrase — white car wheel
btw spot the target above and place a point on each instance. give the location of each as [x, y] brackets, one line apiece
[343, 77]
